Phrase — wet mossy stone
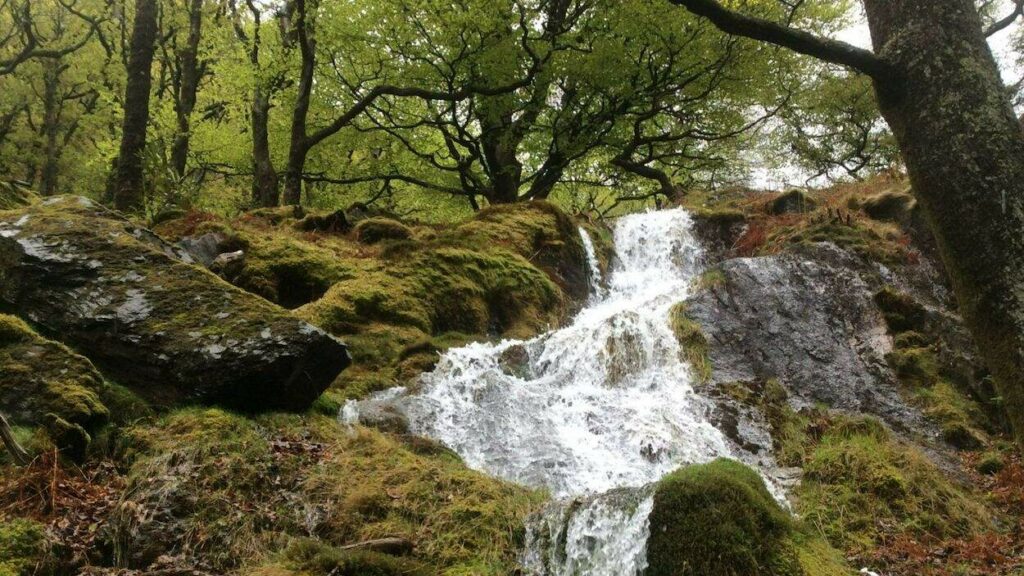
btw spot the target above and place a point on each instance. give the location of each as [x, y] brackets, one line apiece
[172, 332]
[374, 230]
[795, 201]
[43, 383]
[718, 519]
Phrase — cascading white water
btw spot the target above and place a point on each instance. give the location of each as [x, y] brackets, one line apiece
[594, 412]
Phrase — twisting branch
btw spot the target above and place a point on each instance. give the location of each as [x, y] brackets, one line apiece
[834, 51]
[1000, 25]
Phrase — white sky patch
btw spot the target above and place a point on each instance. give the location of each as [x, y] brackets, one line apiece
[859, 35]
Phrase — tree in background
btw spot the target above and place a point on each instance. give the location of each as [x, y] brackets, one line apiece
[940, 90]
[128, 178]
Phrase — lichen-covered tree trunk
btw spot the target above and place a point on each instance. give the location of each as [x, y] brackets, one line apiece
[964, 152]
[186, 100]
[265, 192]
[127, 185]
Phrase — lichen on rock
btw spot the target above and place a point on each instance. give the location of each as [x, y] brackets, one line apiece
[171, 331]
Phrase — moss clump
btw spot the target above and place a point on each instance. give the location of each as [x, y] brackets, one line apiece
[24, 547]
[795, 201]
[693, 344]
[315, 558]
[902, 313]
[990, 464]
[374, 230]
[861, 485]
[539, 232]
[43, 383]
[718, 519]
[218, 487]
[890, 205]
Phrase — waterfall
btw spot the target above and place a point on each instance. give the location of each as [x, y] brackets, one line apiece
[596, 291]
[594, 412]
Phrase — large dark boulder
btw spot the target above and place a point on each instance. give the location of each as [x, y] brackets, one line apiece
[173, 332]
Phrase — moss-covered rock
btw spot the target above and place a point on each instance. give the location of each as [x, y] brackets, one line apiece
[795, 201]
[374, 230]
[171, 331]
[216, 489]
[892, 205]
[539, 232]
[693, 344]
[43, 383]
[718, 519]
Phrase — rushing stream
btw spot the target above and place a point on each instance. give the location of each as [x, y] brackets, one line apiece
[594, 412]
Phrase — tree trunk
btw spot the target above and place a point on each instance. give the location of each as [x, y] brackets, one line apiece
[128, 178]
[186, 100]
[265, 193]
[299, 144]
[51, 128]
[964, 152]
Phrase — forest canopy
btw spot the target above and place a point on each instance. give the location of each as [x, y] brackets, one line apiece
[417, 104]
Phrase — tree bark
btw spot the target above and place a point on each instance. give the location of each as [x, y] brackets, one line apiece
[299, 144]
[265, 191]
[128, 190]
[51, 127]
[964, 152]
[939, 88]
[185, 102]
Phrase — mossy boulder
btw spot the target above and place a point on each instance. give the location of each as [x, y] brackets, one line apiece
[538, 231]
[889, 205]
[374, 230]
[718, 519]
[171, 331]
[795, 201]
[43, 383]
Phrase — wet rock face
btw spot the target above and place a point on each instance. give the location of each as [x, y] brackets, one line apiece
[808, 320]
[173, 332]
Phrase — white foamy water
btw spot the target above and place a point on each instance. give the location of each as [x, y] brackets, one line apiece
[594, 412]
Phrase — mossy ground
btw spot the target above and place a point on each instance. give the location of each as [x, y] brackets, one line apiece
[234, 492]
[24, 547]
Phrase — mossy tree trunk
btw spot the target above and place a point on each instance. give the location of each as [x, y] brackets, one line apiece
[939, 88]
[127, 184]
[190, 71]
[964, 151]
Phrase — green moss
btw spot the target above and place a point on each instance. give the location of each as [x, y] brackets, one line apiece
[721, 215]
[892, 205]
[229, 489]
[902, 313]
[374, 230]
[793, 201]
[692, 342]
[44, 383]
[317, 558]
[24, 547]
[718, 519]
[860, 483]
[990, 464]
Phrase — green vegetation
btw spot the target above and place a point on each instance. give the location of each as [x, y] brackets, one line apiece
[43, 383]
[718, 519]
[693, 344]
[374, 230]
[24, 547]
[230, 489]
